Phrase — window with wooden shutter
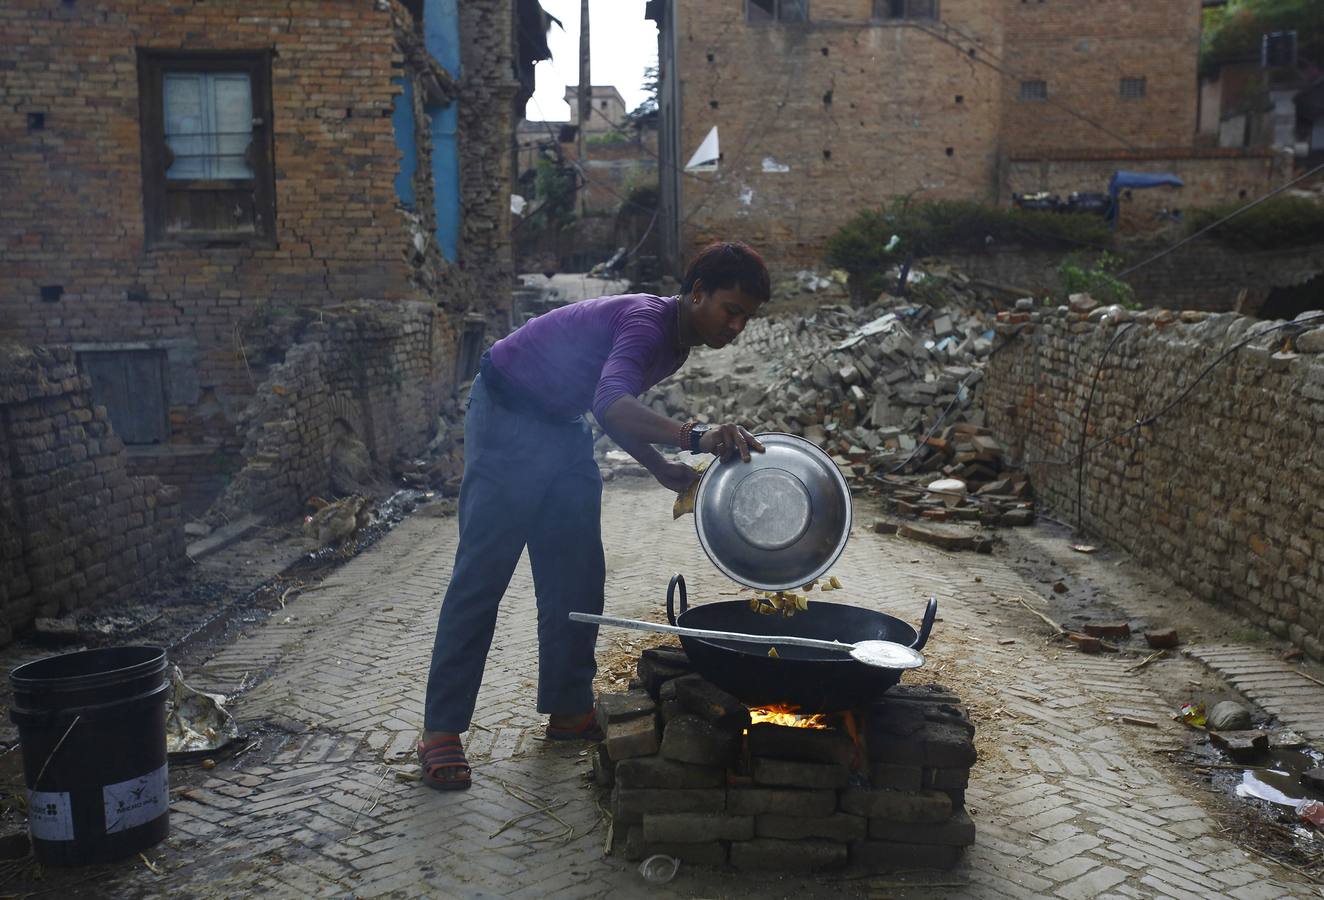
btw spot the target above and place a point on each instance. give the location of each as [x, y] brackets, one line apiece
[130, 384]
[207, 148]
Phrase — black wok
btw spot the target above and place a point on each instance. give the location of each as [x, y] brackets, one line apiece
[809, 679]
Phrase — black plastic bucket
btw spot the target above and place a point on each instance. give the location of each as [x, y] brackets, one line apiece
[92, 727]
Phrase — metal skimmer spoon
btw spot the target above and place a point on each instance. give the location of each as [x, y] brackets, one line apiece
[880, 654]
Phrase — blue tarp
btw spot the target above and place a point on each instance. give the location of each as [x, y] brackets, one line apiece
[1122, 181]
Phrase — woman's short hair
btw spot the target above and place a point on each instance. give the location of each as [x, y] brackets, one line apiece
[729, 264]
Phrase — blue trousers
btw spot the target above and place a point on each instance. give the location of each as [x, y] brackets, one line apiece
[527, 481]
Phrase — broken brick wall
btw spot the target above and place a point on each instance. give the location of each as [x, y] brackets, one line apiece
[1202, 275]
[369, 373]
[1211, 493]
[76, 529]
[487, 116]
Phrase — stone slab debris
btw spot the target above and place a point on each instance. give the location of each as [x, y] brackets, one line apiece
[1162, 639]
[1110, 630]
[1241, 746]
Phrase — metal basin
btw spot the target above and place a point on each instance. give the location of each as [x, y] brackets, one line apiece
[778, 521]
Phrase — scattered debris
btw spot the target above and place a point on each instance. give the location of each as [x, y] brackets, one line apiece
[1146, 723]
[1240, 745]
[1311, 811]
[948, 537]
[1157, 654]
[196, 721]
[1193, 714]
[1085, 643]
[659, 869]
[1164, 639]
[1115, 630]
[1287, 739]
[1229, 716]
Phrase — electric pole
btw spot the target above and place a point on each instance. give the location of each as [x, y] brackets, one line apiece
[585, 97]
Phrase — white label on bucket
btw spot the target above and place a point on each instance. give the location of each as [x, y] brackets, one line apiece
[49, 816]
[136, 801]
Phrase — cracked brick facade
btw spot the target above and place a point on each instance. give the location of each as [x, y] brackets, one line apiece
[79, 266]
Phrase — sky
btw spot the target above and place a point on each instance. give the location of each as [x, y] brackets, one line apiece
[622, 44]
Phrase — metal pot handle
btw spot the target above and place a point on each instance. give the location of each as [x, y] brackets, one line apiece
[677, 579]
[926, 626]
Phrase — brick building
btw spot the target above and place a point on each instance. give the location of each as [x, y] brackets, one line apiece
[825, 107]
[190, 184]
[620, 159]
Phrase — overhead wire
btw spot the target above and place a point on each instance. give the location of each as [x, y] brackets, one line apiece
[1232, 215]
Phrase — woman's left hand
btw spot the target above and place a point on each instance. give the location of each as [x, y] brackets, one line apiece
[727, 440]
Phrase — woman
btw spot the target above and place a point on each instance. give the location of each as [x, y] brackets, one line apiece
[530, 479]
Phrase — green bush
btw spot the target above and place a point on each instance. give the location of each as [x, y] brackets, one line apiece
[864, 245]
[553, 196]
[1097, 279]
[1232, 33]
[1282, 221]
[606, 139]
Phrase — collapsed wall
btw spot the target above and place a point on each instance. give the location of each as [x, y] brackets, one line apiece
[359, 391]
[75, 528]
[1220, 489]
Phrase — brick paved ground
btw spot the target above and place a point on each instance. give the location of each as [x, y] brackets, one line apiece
[1069, 802]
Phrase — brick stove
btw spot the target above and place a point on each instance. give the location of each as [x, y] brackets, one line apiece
[695, 774]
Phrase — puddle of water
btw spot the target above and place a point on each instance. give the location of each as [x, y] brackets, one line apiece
[1279, 780]
[1254, 784]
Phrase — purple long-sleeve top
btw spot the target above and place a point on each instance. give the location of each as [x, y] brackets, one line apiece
[590, 354]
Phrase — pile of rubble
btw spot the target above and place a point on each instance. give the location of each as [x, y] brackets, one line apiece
[888, 390]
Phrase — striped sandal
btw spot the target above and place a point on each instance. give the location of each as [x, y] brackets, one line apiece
[584, 728]
[444, 765]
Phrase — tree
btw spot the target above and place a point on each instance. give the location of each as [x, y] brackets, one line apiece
[1232, 33]
[648, 108]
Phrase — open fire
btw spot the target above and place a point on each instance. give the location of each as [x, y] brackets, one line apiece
[789, 716]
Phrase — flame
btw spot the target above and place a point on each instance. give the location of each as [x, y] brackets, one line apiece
[787, 715]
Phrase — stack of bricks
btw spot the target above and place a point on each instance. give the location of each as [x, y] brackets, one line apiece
[691, 777]
[75, 528]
